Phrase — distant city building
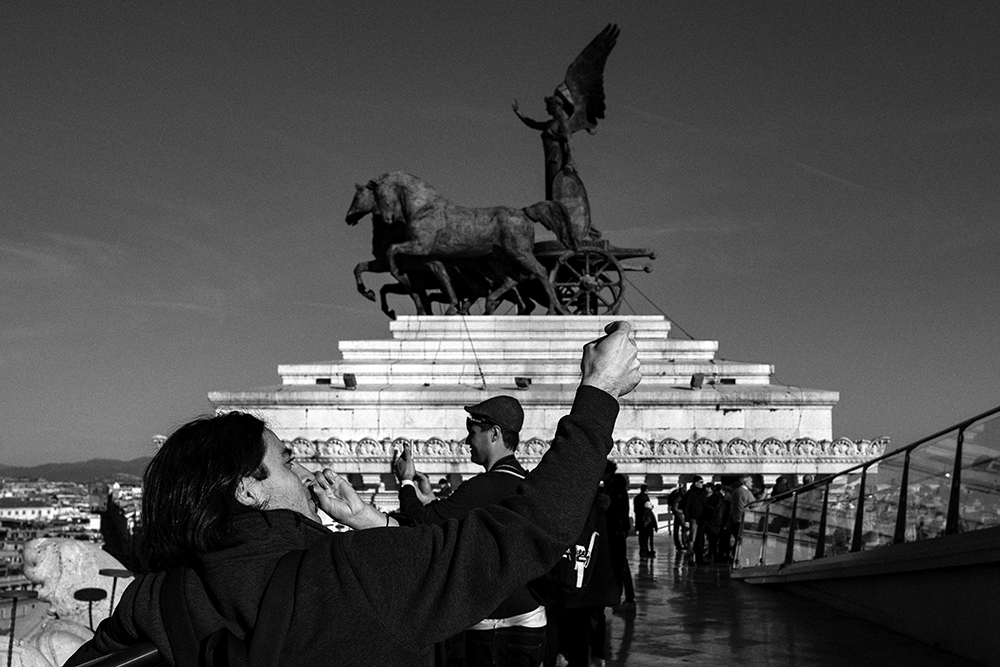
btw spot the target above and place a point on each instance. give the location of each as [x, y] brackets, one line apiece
[121, 522]
[21, 509]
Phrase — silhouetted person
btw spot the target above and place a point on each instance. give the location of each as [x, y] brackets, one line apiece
[619, 527]
[738, 501]
[678, 529]
[714, 518]
[582, 624]
[695, 509]
[645, 521]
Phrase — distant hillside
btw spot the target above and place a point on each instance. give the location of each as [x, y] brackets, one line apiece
[83, 472]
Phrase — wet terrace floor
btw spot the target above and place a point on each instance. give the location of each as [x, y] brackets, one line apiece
[697, 615]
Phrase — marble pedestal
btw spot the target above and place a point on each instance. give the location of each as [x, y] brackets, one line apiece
[412, 387]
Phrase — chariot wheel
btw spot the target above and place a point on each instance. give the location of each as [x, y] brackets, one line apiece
[588, 282]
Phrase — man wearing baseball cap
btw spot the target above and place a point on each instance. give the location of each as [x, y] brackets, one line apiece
[514, 634]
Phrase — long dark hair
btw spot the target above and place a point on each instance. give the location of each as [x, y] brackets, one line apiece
[189, 488]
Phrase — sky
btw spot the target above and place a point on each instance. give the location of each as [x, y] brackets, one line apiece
[820, 182]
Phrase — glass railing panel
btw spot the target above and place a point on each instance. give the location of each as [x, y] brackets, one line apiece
[778, 520]
[929, 486]
[979, 499]
[882, 488]
[842, 507]
[807, 518]
[751, 537]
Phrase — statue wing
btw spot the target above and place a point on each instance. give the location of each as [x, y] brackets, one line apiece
[583, 87]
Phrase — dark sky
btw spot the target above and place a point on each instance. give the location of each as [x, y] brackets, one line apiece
[819, 180]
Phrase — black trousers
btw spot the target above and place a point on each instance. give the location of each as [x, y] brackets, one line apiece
[505, 647]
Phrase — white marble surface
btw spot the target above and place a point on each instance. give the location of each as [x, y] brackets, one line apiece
[415, 385]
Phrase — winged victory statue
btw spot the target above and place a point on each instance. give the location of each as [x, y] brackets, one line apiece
[577, 104]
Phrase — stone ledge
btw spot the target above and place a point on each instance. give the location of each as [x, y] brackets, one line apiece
[647, 395]
[586, 326]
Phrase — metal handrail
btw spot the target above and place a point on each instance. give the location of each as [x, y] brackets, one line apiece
[908, 448]
[856, 544]
[138, 655]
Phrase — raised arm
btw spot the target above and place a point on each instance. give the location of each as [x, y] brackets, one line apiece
[533, 124]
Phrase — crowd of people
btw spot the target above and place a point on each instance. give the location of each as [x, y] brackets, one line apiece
[705, 518]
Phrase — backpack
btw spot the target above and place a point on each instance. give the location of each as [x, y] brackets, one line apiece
[575, 568]
[571, 575]
[648, 518]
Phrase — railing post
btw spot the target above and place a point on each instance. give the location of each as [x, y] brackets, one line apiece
[821, 541]
[790, 547]
[763, 533]
[955, 498]
[860, 515]
[14, 596]
[904, 499]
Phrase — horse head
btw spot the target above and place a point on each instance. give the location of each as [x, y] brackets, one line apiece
[362, 204]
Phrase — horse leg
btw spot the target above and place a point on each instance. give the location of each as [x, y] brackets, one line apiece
[365, 267]
[493, 298]
[386, 290]
[441, 273]
[525, 297]
[533, 267]
[408, 248]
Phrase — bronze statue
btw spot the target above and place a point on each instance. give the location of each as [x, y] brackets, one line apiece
[412, 222]
[577, 104]
[440, 252]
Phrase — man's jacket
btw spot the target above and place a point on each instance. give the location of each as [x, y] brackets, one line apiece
[481, 490]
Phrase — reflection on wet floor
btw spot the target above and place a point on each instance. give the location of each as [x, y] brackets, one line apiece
[697, 615]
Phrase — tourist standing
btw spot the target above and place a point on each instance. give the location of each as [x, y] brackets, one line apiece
[514, 634]
[741, 497]
[678, 529]
[645, 521]
[695, 510]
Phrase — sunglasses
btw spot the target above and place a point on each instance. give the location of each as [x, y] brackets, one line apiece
[482, 423]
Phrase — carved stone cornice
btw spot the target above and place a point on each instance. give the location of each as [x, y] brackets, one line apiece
[737, 450]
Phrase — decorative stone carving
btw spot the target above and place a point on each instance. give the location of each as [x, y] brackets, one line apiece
[368, 448]
[772, 447]
[434, 447]
[303, 449]
[738, 447]
[633, 447]
[534, 447]
[24, 654]
[63, 566]
[674, 448]
[703, 447]
[735, 450]
[806, 447]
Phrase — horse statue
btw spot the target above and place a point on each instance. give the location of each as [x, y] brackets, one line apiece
[384, 234]
[414, 226]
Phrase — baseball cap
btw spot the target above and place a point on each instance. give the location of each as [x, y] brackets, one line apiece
[503, 411]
